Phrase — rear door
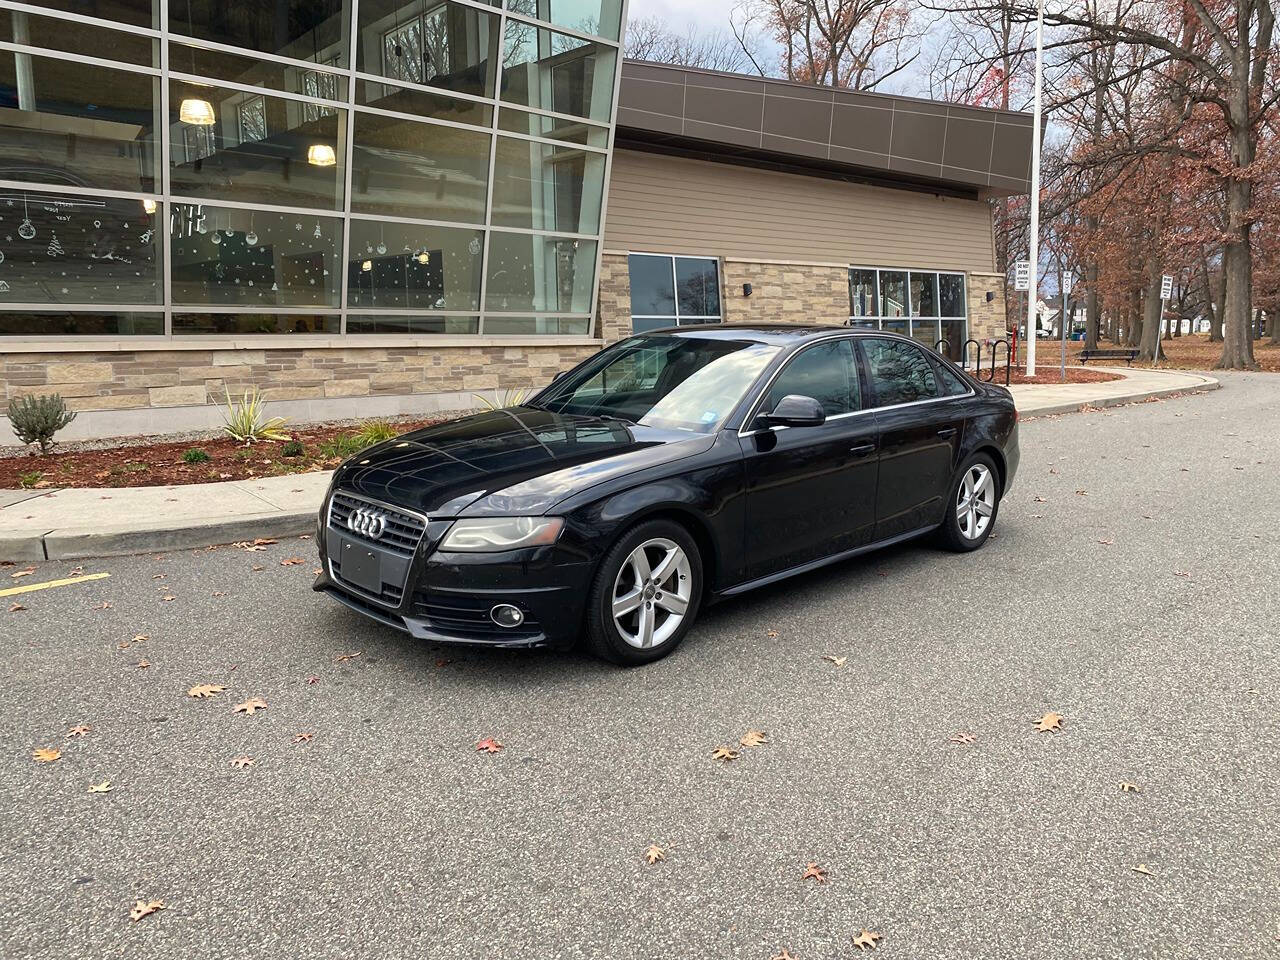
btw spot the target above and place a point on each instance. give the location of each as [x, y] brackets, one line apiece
[920, 415]
[811, 490]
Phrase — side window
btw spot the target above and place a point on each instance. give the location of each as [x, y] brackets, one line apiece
[952, 383]
[826, 372]
[900, 372]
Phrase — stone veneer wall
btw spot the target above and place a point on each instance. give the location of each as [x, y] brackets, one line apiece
[987, 321]
[173, 378]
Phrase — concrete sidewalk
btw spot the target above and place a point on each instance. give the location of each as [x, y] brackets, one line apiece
[72, 523]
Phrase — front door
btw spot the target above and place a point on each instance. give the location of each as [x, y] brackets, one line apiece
[811, 490]
[920, 427]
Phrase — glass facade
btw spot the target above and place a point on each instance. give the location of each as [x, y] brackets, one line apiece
[669, 291]
[208, 167]
[925, 305]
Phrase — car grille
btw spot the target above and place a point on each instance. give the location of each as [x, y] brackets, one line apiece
[469, 616]
[401, 536]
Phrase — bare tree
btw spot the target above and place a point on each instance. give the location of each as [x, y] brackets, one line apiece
[653, 39]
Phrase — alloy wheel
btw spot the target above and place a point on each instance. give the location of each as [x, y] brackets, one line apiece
[975, 502]
[651, 593]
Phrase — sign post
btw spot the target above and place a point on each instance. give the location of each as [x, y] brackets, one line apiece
[1166, 291]
[1022, 283]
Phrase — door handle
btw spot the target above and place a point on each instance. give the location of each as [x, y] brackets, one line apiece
[863, 448]
[947, 432]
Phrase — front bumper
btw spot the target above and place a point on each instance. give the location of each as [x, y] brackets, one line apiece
[446, 597]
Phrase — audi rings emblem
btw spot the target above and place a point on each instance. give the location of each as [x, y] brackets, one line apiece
[367, 522]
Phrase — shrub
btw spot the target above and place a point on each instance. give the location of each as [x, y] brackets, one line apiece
[293, 448]
[244, 421]
[37, 419]
[509, 398]
[374, 431]
[340, 447]
[195, 456]
[28, 480]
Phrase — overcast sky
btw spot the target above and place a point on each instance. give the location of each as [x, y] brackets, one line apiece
[705, 13]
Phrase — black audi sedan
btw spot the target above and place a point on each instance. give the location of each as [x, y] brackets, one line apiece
[670, 470]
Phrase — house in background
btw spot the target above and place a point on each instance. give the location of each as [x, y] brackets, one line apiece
[363, 209]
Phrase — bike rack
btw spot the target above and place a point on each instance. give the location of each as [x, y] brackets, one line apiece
[1008, 361]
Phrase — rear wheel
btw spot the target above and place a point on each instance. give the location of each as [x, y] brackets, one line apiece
[972, 505]
[645, 595]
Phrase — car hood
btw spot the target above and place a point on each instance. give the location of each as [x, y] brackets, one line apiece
[521, 460]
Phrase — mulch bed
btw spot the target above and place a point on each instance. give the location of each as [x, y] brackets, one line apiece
[1051, 373]
[1189, 352]
[161, 464]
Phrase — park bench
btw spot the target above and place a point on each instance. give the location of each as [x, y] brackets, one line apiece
[1128, 355]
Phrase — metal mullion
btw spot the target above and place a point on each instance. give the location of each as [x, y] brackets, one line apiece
[426, 88]
[570, 117]
[45, 52]
[247, 54]
[241, 308]
[565, 145]
[79, 18]
[259, 91]
[29, 186]
[418, 118]
[264, 207]
[353, 25]
[165, 209]
[610, 135]
[493, 162]
[423, 222]
[35, 307]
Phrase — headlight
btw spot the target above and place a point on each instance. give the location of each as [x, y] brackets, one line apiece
[502, 533]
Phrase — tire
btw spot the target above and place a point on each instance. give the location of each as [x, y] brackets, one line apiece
[963, 529]
[669, 551]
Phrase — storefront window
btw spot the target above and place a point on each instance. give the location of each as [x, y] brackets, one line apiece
[312, 173]
[254, 258]
[539, 186]
[927, 306]
[408, 266]
[408, 169]
[62, 248]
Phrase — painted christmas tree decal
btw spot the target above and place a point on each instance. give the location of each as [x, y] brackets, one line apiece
[55, 248]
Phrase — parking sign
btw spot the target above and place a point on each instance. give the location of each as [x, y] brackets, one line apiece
[1166, 287]
[1022, 275]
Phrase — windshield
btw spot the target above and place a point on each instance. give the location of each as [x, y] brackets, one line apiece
[673, 383]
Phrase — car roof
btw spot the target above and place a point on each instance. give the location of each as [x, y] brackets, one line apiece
[779, 334]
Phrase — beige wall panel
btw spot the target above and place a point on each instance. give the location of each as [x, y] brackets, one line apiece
[675, 205]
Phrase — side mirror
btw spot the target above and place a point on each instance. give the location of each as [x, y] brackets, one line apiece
[794, 410]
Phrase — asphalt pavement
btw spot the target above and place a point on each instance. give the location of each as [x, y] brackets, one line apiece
[1131, 586]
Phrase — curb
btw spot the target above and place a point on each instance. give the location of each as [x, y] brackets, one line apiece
[1206, 385]
[80, 543]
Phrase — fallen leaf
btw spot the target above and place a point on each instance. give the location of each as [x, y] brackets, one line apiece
[103, 787]
[302, 737]
[143, 664]
[724, 753]
[203, 691]
[304, 536]
[1186, 574]
[1050, 721]
[1126, 787]
[654, 853]
[1142, 869]
[866, 939]
[782, 955]
[814, 872]
[79, 730]
[1039, 500]
[291, 561]
[838, 661]
[1082, 493]
[771, 634]
[17, 575]
[753, 738]
[242, 761]
[104, 605]
[15, 607]
[168, 598]
[145, 907]
[45, 754]
[488, 745]
[317, 571]
[249, 706]
[157, 576]
[219, 593]
[256, 567]
[963, 738]
[344, 657]
[313, 680]
[1106, 543]
[263, 541]
[442, 663]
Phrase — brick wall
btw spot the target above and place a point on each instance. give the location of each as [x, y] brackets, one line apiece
[171, 378]
[987, 320]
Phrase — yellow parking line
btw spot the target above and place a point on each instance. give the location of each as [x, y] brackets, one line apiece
[29, 587]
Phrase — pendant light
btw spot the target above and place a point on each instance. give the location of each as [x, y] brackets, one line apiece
[197, 112]
[321, 155]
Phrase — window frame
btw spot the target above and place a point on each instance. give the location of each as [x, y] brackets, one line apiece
[677, 317]
[878, 322]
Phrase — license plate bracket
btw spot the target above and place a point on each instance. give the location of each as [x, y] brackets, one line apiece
[361, 567]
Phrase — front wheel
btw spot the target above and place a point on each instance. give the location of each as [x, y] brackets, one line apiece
[645, 595]
[972, 505]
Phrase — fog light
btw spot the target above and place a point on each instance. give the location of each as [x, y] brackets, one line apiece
[505, 615]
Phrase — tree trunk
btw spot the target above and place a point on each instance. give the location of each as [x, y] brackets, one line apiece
[1093, 309]
[1237, 268]
[1133, 330]
[1149, 337]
